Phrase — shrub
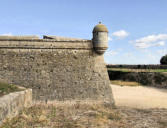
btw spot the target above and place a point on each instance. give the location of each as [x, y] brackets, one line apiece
[163, 60]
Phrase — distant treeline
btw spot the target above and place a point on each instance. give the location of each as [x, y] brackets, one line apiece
[138, 66]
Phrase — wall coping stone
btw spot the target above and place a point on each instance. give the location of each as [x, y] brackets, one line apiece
[45, 44]
[45, 39]
[60, 38]
[18, 37]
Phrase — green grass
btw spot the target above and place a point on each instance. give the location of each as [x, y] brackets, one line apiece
[8, 88]
[137, 70]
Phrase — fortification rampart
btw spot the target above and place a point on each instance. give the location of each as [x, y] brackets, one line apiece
[11, 104]
[58, 68]
[62, 69]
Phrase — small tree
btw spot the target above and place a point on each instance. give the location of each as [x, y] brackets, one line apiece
[163, 60]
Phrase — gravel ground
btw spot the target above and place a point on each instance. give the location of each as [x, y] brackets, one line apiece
[140, 96]
[144, 118]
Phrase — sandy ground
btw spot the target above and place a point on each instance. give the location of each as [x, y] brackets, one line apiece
[139, 96]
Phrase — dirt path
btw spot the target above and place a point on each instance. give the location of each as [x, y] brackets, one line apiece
[140, 97]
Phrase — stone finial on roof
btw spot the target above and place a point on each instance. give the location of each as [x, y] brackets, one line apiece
[100, 28]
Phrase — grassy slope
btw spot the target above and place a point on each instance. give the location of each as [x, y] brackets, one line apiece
[124, 83]
[7, 88]
[137, 70]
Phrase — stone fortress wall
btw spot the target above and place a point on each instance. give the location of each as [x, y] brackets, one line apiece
[55, 68]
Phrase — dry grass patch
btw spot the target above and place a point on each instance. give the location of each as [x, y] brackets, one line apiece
[125, 83]
[71, 116]
[87, 116]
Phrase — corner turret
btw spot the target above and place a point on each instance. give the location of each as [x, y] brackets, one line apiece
[100, 38]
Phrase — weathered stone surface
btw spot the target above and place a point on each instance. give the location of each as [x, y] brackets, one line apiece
[11, 104]
[44, 44]
[19, 37]
[59, 38]
[56, 70]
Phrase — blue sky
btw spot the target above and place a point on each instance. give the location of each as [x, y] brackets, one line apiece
[137, 28]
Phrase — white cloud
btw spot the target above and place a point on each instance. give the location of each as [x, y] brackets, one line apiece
[162, 52]
[161, 43]
[109, 38]
[147, 45]
[7, 34]
[111, 53]
[150, 41]
[142, 45]
[120, 34]
[152, 38]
